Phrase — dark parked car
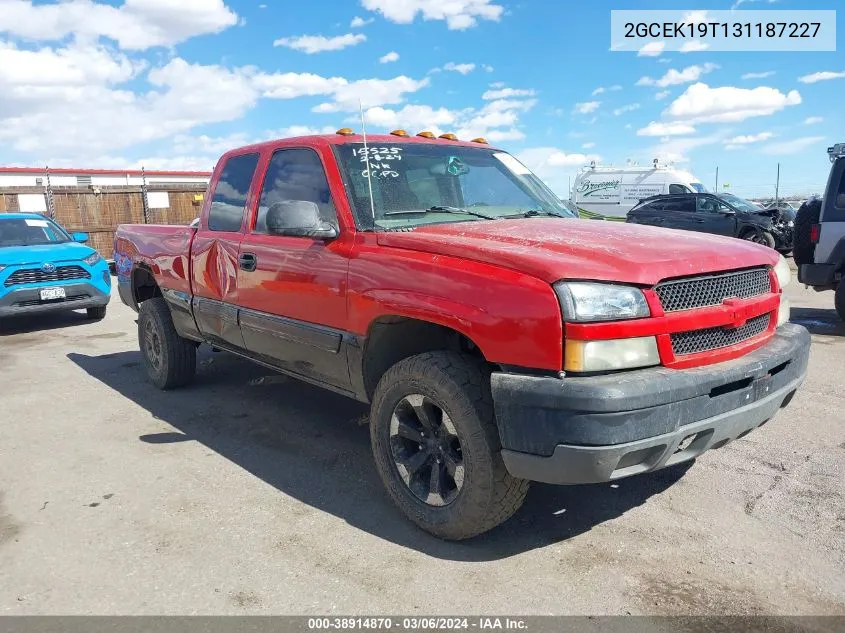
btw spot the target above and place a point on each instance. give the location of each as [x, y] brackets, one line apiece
[724, 214]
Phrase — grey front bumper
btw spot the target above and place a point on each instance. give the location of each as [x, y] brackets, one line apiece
[27, 300]
[600, 428]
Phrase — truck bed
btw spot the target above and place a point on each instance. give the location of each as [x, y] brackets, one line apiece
[163, 249]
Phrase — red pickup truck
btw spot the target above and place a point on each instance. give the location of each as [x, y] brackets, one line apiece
[498, 339]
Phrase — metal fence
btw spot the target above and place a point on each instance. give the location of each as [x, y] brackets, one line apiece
[98, 210]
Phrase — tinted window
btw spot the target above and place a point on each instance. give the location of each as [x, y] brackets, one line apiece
[655, 206]
[685, 204]
[30, 232]
[707, 204]
[229, 201]
[678, 189]
[295, 174]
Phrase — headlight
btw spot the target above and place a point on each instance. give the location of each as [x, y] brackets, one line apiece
[782, 272]
[783, 311]
[623, 353]
[583, 302]
[92, 259]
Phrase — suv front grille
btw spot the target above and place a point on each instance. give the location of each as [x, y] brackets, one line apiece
[712, 290]
[36, 275]
[717, 337]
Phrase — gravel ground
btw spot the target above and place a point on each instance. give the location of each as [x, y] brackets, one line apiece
[249, 493]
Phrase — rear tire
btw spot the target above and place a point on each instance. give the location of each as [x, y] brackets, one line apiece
[97, 314]
[466, 486]
[803, 250]
[839, 300]
[170, 360]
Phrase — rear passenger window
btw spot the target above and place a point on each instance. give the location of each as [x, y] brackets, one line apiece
[678, 189]
[295, 174]
[229, 201]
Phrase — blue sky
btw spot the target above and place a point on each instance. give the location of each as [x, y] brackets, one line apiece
[90, 83]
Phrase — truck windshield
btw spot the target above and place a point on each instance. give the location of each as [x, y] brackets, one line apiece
[30, 232]
[421, 183]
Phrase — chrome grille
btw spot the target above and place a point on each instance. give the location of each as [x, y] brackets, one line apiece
[36, 275]
[712, 290]
[717, 337]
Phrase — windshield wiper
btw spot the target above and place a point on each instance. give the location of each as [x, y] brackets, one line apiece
[531, 213]
[444, 209]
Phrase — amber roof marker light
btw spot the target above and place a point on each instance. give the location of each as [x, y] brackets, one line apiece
[425, 134]
[480, 139]
[449, 137]
[399, 133]
[345, 131]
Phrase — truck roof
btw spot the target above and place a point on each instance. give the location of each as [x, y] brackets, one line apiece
[322, 140]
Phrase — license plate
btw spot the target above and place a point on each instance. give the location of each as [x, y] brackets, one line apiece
[48, 294]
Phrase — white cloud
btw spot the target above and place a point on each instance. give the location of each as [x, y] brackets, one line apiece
[762, 75]
[587, 107]
[702, 104]
[487, 68]
[676, 150]
[747, 139]
[392, 56]
[674, 77]
[556, 166]
[458, 14]
[311, 44]
[738, 142]
[602, 89]
[793, 146]
[357, 22]
[656, 128]
[662, 95]
[812, 120]
[497, 84]
[738, 3]
[652, 49]
[694, 46]
[135, 25]
[464, 69]
[506, 93]
[588, 145]
[821, 76]
[411, 118]
[695, 17]
[626, 108]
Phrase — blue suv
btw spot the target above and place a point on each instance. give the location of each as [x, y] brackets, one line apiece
[43, 268]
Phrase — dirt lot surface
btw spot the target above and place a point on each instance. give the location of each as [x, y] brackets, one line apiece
[249, 493]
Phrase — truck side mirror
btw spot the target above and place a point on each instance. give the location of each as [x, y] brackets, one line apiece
[298, 218]
[79, 237]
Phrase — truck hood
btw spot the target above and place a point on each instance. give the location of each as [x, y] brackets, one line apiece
[552, 249]
[65, 251]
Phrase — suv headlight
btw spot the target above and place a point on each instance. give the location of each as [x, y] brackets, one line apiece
[93, 258]
[583, 302]
[782, 271]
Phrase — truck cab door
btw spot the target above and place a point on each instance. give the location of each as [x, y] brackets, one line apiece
[215, 250]
[292, 289]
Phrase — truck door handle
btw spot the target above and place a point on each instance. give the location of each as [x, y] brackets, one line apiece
[248, 262]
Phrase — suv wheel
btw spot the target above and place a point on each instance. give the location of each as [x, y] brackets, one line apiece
[171, 360]
[437, 449]
[803, 250]
[839, 300]
[760, 237]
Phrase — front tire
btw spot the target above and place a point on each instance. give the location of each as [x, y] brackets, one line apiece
[760, 237]
[436, 446]
[170, 360]
[839, 300]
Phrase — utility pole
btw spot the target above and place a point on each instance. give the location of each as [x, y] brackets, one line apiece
[777, 186]
[717, 180]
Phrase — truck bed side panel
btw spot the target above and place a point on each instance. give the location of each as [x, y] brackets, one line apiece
[163, 251]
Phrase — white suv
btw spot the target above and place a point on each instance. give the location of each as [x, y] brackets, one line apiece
[819, 238]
